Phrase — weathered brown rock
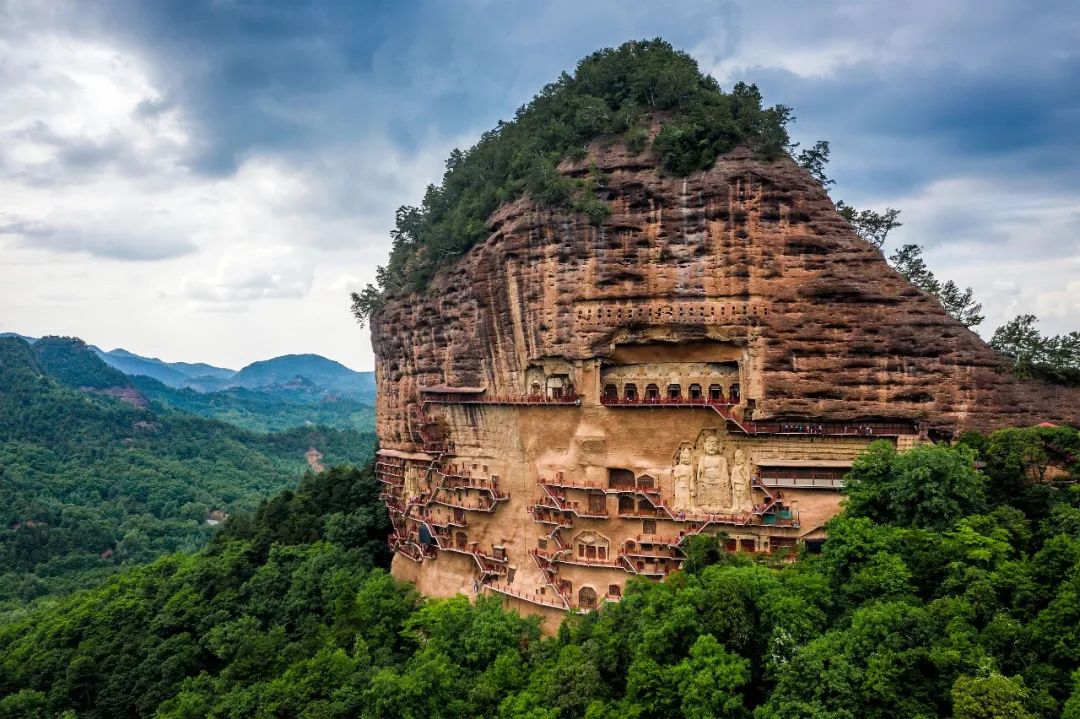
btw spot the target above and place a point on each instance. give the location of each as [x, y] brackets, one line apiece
[748, 263]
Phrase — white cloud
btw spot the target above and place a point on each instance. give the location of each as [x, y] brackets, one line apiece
[256, 192]
[1016, 245]
[120, 245]
[253, 273]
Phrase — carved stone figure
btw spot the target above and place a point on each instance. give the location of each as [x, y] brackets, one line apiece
[683, 475]
[412, 481]
[713, 481]
[742, 495]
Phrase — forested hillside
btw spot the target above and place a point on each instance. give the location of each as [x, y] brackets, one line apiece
[320, 371]
[613, 93]
[943, 591]
[90, 483]
[297, 404]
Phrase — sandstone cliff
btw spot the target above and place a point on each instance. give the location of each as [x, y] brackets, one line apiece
[750, 253]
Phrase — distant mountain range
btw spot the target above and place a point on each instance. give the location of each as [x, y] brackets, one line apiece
[312, 371]
[99, 469]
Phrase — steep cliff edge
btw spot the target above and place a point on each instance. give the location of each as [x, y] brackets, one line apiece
[749, 252]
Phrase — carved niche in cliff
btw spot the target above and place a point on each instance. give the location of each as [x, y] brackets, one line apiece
[550, 378]
[412, 482]
[590, 545]
[712, 477]
[682, 476]
[709, 477]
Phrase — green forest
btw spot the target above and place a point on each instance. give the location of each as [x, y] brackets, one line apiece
[948, 587]
[90, 483]
[261, 410]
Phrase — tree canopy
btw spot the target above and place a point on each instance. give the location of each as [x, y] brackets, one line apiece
[1034, 354]
[959, 600]
[614, 92]
[90, 484]
[960, 304]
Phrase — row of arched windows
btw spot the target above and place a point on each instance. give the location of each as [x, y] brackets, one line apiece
[652, 392]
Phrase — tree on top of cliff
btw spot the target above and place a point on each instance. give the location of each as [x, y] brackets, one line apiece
[613, 93]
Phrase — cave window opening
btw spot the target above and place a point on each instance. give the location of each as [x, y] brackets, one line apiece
[716, 393]
[695, 391]
[734, 393]
[630, 392]
[674, 391]
[611, 391]
[620, 478]
[652, 393]
[587, 598]
[558, 385]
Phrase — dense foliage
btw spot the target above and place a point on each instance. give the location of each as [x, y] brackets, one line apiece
[258, 599]
[1056, 357]
[89, 483]
[612, 93]
[265, 410]
[313, 369]
[959, 303]
[959, 599]
[71, 362]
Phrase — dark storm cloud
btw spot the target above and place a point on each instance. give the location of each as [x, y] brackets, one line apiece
[989, 83]
[973, 96]
[287, 76]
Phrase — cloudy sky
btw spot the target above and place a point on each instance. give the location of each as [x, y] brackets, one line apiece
[207, 179]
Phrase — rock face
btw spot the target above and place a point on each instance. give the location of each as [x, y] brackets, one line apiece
[710, 358]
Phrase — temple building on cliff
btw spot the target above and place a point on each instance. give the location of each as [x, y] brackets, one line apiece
[569, 403]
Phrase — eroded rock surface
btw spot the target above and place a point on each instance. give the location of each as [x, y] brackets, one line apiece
[743, 279]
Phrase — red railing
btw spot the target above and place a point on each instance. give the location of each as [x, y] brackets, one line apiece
[654, 571]
[723, 407]
[535, 597]
[610, 401]
[556, 502]
[453, 480]
[569, 398]
[658, 551]
[831, 429]
[656, 540]
[548, 515]
[479, 505]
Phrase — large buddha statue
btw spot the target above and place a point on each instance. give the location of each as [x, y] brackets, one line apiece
[713, 481]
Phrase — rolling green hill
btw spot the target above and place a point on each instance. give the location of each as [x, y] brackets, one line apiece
[320, 371]
[90, 482]
[266, 409]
